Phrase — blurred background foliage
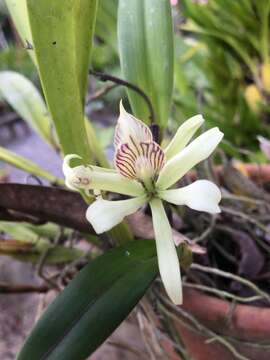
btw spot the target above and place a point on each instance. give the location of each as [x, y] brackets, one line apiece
[222, 66]
[221, 69]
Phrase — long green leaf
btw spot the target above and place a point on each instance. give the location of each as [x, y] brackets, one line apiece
[26, 100]
[27, 165]
[62, 38]
[93, 304]
[18, 12]
[145, 36]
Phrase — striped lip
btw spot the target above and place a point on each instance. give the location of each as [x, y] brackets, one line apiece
[139, 160]
[137, 156]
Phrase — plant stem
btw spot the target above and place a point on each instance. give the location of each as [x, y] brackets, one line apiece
[116, 80]
[21, 288]
[226, 274]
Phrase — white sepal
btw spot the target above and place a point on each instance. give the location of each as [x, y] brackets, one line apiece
[97, 178]
[103, 215]
[197, 151]
[167, 257]
[116, 183]
[183, 135]
[202, 195]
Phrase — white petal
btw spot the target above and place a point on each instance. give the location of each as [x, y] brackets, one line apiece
[202, 195]
[183, 135]
[167, 257]
[103, 215]
[97, 178]
[130, 129]
[115, 182]
[197, 151]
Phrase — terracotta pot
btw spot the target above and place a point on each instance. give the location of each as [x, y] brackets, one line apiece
[247, 324]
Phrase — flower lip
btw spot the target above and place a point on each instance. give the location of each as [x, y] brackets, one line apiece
[137, 156]
[141, 161]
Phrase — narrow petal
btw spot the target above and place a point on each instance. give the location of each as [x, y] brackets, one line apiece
[115, 182]
[202, 195]
[183, 135]
[197, 151]
[130, 129]
[103, 215]
[167, 257]
[97, 178]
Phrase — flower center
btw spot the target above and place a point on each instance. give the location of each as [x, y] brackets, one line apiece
[141, 161]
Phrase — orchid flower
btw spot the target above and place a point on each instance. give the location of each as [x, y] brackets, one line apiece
[145, 172]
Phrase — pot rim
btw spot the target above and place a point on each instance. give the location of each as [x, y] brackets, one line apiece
[247, 322]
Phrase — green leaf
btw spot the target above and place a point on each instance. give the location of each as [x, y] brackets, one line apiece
[56, 255]
[96, 145]
[27, 165]
[145, 36]
[31, 232]
[62, 38]
[93, 304]
[18, 231]
[29, 242]
[48, 230]
[18, 12]
[25, 99]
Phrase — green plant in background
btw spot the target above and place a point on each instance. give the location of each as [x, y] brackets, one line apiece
[17, 60]
[105, 50]
[28, 242]
[26, 100]
[226, 56]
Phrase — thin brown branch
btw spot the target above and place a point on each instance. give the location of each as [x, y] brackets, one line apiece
[22, 288]
[101, 92]
[60, 206]
[116, 80]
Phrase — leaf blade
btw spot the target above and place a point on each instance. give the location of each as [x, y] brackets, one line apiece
[146, 55]
[24, 164]
[25, 99]
[62, 45]
[122, 274]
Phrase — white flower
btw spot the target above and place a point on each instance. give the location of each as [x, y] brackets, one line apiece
[145, 172]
